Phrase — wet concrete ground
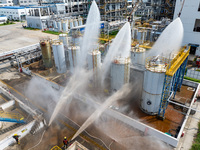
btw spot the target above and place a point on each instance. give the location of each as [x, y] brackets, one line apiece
[171, 122]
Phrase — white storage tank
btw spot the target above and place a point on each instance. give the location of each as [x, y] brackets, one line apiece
[120, 72]
[94, 64]
[154, 76]
[63, 38]
[55, 24]
[74, 57]
[76, 38]
[94, 60]
[75, 22]
[59, 26]
[140, 37]
[80, 21]
[59, 56]
[138, 55]
[71, 23]
[65, 26]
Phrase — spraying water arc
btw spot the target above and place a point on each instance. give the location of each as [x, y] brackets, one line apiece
[116, 96]
[89, 43]
[120, 47]
[91, 34]
[169, 41]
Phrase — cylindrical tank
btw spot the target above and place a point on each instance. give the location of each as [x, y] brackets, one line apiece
[74, 57]
[59, 57]
[80, 21]
[138, 55]
[94, 63]
[134, 33]
[63, 38]
[59, 26]
[120, 72]
[94, 60]
[65, 26]
[55, 24]
[76, 38]
[154, 76]
[71, 23]
[75, 23]
[148, 37]
[46, 53]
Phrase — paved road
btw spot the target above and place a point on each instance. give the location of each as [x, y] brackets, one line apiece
[14, 36]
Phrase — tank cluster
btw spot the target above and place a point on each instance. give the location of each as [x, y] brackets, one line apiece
[64, 24]
[144, 35]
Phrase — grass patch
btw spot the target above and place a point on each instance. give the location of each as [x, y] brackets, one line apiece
[52, 32]
[7, 23]
[196, 143]
[192, 79]
[29, 28]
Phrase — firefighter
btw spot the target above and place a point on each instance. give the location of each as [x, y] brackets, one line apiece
[65, 142]
[16, 137]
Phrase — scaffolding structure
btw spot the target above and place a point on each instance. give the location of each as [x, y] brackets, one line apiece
[110, 10]
[173, 79]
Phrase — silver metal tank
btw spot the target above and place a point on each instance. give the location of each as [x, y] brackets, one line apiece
[75, 22]
[149, 35]
[63, 38]
[55, 24]
[76, 38]
[80, 21]
[65, 26]
[120, 72]
[134, 33]
[59, 26]
[138, 55]
[74, 57]
[94, 63]
[154, 76]
[59, 56]
[71, 23]
[94, 60]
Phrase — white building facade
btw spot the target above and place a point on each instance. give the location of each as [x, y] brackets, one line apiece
[13, 12]
[6, 3]
[190, 18]
[28, 2]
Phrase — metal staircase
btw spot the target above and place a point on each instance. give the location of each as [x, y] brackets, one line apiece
[35, 127]
[165, 95]
[173, 79]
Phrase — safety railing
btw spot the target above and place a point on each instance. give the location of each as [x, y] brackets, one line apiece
[56, 148]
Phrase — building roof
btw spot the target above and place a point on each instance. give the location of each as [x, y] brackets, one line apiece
[11, 7]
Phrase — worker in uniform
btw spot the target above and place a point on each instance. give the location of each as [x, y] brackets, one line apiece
[65, 142]
[16, 137]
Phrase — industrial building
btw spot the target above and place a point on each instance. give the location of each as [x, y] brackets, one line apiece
[156, 9]
[36, 79]
[6, 3]
[109, 10]
[13, 12]
[190, 18]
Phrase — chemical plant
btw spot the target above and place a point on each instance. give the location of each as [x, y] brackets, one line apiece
[96, 92]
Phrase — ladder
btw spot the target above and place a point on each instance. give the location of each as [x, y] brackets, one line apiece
[165, 95]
